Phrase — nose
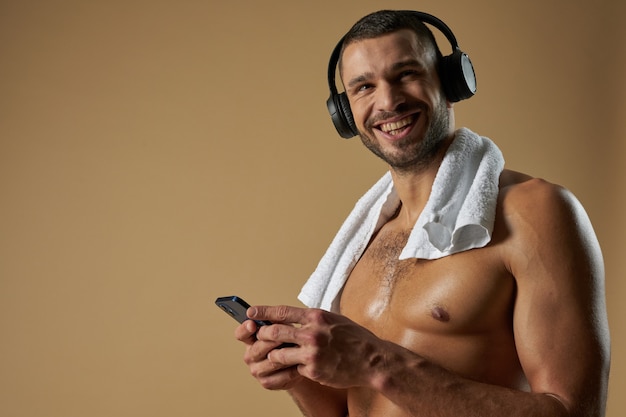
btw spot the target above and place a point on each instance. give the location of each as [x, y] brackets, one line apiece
[389, 97]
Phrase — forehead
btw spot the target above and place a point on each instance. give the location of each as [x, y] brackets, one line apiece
[367, 55]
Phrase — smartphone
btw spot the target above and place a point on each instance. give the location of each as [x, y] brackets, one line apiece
[236, 308]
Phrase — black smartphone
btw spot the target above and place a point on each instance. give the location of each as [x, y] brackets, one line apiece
[236, 308]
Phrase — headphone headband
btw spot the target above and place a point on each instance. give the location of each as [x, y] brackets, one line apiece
[456, 73]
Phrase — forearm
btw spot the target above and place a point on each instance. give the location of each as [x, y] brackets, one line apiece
[424, 389]
[315, 400]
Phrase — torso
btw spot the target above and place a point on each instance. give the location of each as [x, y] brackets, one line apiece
[455, 311]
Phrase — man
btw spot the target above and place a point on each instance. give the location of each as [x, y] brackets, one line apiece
[515, 326]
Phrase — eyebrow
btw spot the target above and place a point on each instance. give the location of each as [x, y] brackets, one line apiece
[395, 67]
[359, 79]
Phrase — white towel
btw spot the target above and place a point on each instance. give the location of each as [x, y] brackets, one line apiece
[458, 216]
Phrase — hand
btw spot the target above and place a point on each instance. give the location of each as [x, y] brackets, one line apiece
[270, 375]
[331, 349]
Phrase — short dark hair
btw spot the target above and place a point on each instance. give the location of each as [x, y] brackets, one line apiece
[387, 21]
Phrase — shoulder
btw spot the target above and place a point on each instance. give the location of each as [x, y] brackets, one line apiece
[543, 220]
[535, 198]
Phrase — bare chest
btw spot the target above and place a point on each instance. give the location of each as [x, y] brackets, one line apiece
[465, 293]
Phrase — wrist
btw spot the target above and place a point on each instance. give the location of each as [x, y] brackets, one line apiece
[390, 366]
[380, 367]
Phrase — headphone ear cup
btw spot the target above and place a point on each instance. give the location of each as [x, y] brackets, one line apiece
[457, 76]
[341, 115]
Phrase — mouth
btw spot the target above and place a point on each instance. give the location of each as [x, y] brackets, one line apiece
[397, 127]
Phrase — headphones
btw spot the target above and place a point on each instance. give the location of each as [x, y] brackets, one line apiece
[456, 73]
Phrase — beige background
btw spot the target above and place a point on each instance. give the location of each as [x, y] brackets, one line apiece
[157, 154]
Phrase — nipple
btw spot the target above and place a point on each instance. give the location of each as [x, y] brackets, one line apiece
[440, 313]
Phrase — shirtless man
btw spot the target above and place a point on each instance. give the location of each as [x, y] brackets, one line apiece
[516, 328]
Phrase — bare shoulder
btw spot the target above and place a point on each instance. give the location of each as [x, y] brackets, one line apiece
[536, 198]
[523, 185]
[545, 222]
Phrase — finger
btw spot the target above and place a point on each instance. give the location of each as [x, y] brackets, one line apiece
[281, 379]
[281, 333]
[246, 332]
[285, 357]
[277, 314]
[256, 357]
[258, 351]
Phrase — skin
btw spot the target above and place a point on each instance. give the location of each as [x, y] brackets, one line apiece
[517, 328]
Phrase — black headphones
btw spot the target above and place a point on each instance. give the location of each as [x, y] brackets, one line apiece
[456, 73]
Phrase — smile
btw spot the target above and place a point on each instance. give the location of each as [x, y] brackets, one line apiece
[393, 128]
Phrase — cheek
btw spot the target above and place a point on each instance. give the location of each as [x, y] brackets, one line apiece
[360, 113]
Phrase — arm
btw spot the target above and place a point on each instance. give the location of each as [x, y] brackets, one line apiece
[316, 400]
[559, 322]
[560, 319]
[419, 387]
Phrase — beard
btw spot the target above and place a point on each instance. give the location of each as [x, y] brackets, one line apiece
[412, 155]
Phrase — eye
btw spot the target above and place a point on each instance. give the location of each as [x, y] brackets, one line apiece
[409, 74]
[360, 89]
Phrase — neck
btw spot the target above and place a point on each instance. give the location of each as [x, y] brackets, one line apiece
[414, 186]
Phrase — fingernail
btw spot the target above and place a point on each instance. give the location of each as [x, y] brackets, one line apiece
[252, 312]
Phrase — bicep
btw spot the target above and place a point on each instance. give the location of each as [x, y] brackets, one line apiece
[560, 324]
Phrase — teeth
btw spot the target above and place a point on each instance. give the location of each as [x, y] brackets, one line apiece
[389, 127]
